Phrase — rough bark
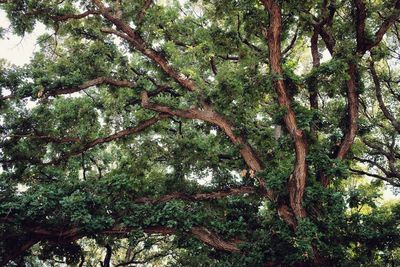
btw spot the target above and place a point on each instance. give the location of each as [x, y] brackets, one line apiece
[297, 181]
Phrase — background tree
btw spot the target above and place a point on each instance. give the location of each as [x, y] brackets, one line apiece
[230, 127]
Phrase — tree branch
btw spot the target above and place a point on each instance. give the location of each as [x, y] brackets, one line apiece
[292, 42]
[130, 35]
[47, 138]
[126, 32]
[69, 90]
[39, 234]
[107, 258]
[208, 115]
[352, 107]
[74, 16]
[361, 172]
[18, 251]
[88, 145]
[91, 83]
[200, 196]
[361, 16]
[385, 26]
[118, 135]
[378, 92]
[297, 180]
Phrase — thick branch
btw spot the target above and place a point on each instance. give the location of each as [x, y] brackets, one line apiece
[208, 115]
[362, 46]
[18, 251]
[107, 258]
[361, 16]
[329, 40]
[201, 233]
[62, 236]
[214, 240]
[297, 180]
[328, 12]
[200, 196]
[313, 83]
[352, 106]
[138, 43]
[126, 32]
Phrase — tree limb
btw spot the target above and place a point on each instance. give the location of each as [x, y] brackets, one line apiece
[74, 16]
[352, 107]
[91, 83]
[88, 145]
[133, 37]
[69, 90]
[297, 180]
[378, 93]
[200, 196]
[39, 234]
[118, 135]
[385, 26]
[361, 16]
[208, 115]
[361, 172]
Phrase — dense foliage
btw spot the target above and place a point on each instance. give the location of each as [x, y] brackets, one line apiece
[202, 133]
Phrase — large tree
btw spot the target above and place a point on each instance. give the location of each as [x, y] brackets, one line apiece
[224, 131]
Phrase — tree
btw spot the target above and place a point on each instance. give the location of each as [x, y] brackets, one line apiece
[230, 125]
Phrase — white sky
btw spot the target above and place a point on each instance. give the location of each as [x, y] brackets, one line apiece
[15, 49]
[18, 50]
